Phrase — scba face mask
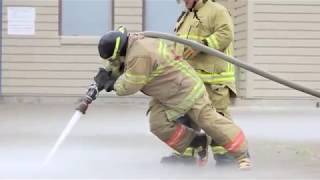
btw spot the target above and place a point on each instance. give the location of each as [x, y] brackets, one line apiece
[116, 66]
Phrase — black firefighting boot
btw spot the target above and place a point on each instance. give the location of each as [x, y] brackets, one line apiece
[244, 161]
[200, 143]
[186, 158]
[222, 156]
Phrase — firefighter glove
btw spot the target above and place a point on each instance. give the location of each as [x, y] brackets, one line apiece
[190, 53]
[104, 80]
[109, 86]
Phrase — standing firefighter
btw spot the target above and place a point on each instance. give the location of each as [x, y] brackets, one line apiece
[152, 67]
[208, 23]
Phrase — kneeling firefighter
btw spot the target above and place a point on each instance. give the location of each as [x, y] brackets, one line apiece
[150, 65]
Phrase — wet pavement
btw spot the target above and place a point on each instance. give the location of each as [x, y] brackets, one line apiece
[113, 142]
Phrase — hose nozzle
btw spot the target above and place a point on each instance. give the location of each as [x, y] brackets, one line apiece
[90, 96]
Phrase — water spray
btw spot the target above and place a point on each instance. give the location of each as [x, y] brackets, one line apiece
[75, 118]
[80, 110]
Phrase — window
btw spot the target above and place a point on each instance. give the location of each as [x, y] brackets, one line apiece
[161, 15]
[86, 17]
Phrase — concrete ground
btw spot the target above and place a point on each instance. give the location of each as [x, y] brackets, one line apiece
[113, 142]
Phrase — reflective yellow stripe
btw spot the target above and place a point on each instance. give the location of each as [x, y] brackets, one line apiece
[230, 66]
[116, 48]
[208, 77]
[227, 76]
[218, 150]
[213, 42]
[135, 76]
[219, 81]
[172, 114]
[196, 91]
[135, 79]
[159, 70]
[228, 53]
[223, 74]
[189, 152]
[192, 37]
[121, 29]
[214, 78]
[120, 87]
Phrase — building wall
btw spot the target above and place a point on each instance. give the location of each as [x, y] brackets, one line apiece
[45, 64]
[128, 13]
[0, 47]
[284, 38]
[280, 37]
[240, 16]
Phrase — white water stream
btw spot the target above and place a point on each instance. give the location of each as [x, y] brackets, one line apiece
[76, 116]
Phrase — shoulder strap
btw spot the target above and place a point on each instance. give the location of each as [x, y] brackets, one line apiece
[180, 20]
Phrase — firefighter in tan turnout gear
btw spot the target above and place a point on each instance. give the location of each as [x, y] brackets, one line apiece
[208, 23]
[152, 67]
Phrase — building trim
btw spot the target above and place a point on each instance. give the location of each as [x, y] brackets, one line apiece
[60, 18]
[112, 14]
[1, 9]
[143, 15]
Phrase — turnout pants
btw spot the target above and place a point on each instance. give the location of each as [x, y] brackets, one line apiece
[220, 98]
[223, 131]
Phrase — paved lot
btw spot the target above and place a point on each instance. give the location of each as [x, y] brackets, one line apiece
[113, 141]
